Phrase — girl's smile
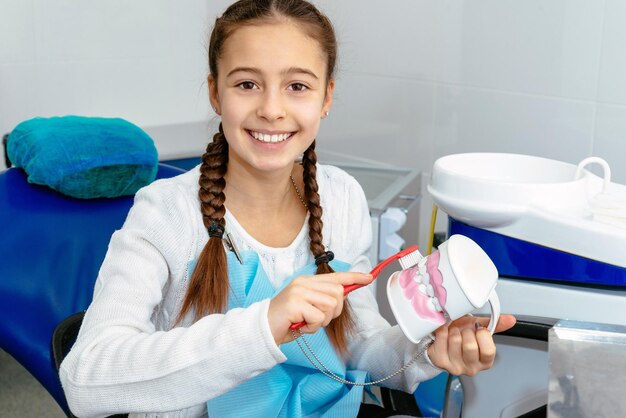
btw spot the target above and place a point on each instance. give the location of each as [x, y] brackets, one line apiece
[270, 137]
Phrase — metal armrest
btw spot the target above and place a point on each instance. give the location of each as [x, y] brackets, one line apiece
[5, 142]
[531, 327]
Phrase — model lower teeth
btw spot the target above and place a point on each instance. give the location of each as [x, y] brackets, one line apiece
[427, 289]
[437, 305]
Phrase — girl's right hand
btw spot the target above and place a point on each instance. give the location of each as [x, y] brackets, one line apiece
[315, 300]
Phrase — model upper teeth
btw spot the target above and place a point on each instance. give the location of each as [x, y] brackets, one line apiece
[430, 291]
[270, 138]
[421, 267]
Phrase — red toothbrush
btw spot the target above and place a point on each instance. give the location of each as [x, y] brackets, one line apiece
[407, 258]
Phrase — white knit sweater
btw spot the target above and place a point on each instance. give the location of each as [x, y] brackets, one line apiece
[129, 357]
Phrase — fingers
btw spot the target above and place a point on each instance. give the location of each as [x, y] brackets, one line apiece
[314, 317]
[326, 291]
[438, 351]
[469, 350]
[486, 346]
[505, 322]
[346, 278]
[315, 300]
[462, 350]
[326, 297]
[455, 351]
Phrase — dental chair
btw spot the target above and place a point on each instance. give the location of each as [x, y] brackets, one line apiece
[51, 249]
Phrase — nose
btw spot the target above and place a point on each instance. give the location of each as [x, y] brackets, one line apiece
[272, 106]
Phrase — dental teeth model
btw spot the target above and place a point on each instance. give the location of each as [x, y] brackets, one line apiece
[423, 286]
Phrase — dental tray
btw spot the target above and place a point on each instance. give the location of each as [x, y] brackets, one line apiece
[537, 218]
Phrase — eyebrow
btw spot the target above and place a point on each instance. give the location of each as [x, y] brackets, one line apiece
[291, 70]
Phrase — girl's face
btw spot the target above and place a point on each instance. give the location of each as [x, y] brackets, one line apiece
[271, 93]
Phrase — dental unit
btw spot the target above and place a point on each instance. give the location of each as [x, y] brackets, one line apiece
[537, 218]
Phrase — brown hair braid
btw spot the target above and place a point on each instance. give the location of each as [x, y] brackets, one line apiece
[208, 288]
[340, 327]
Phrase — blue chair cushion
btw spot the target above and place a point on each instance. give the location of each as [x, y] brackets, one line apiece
[84, 157]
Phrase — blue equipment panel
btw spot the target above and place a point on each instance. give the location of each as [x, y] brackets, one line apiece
[522, 259]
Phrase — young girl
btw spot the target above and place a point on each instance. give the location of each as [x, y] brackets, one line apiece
[195, 298]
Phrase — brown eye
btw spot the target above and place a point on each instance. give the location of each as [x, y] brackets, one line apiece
[298, 87]
[247, 85]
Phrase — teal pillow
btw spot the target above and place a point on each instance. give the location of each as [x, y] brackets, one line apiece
[84, 157]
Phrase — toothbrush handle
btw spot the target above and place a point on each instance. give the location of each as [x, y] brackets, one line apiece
[375, 272]
[349, 288]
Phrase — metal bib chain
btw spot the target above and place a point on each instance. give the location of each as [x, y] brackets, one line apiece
[327, 372]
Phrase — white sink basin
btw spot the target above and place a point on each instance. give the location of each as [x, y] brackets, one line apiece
[535, 199]
[490, 189]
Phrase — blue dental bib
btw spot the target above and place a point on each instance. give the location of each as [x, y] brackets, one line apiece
[295, 388]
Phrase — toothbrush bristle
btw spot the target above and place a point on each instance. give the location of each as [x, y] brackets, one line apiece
[410, 259]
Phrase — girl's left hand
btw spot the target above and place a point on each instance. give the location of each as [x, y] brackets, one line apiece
[462, 348]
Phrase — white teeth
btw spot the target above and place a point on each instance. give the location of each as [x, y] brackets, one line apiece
[433, 302]
[426, 278]
[270, 138]
[417, 278]
[437, 305]
[430, 291]
[422, 268]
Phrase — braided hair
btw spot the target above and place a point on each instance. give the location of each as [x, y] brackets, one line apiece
[340, 327]
[208, 288]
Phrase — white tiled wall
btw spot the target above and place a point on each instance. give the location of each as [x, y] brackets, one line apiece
[533, 77]
[610, 138]
[474, 119]
[417, 79]
[144, 60]
[612, 83]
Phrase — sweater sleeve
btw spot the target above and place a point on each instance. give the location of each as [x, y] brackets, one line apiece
[376, 346]
[120, 363]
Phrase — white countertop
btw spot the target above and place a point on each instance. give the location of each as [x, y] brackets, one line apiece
[561, 301]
